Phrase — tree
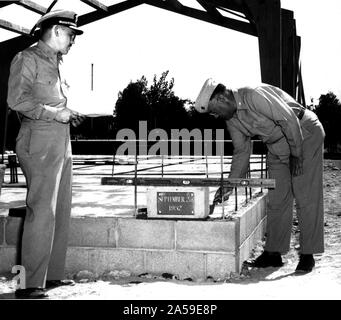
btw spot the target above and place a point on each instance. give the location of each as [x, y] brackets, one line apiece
[167, 110]
[329, 113]
[157, 104]
[132, 105]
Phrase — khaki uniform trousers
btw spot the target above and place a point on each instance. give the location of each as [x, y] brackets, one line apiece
[44, 153]
[307, 190]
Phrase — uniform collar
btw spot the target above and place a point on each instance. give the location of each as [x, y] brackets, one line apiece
[49, 52]
[240, 105]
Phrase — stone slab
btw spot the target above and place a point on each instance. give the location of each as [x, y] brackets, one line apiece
[219, 235]
[220, 265]
[93, 232]
[145, 234]
[182, 264]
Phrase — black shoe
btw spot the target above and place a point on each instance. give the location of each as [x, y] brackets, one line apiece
[31, 293]
[306, 263]
[268, 259]
[58, 283]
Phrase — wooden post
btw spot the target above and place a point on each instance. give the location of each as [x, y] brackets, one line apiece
[267, 16]
[288, 52]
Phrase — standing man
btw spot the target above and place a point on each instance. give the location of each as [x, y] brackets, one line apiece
[294, 138]
[35, 90]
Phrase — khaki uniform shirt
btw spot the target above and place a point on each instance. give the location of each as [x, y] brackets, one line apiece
[34, 88]
[266, 112]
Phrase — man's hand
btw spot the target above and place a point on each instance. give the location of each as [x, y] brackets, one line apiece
[296, 166]
[218, 195]
[63, 115]
[77, 119]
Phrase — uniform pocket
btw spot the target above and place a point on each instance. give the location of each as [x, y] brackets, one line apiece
[39, 141]
[23, 141]
[46, 78]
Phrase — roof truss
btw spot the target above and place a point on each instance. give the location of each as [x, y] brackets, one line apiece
[209, 13]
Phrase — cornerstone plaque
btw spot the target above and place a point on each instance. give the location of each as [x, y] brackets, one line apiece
[175, 203]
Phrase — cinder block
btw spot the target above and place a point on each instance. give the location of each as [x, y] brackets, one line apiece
[182, 264]
[242, 228]
[258, 213]
[264, 205]
[97, 260]
[2, 230]
[100, 260]
[13, 230]
[251, 241]
[248, 215]
[145, 234]
[206, 235]
[77, 259]
[253, 213]
[92, 232]
[263, 224]
[220, 265]
[244, 251]
[122, 259]
[7, 258]
[202, 248]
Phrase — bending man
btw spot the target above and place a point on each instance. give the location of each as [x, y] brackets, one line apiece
[294, 138]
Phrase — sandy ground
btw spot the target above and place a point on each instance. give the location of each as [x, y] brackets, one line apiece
[324, 282]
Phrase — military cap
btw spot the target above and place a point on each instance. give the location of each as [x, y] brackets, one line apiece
[60, 17]
[201, 104]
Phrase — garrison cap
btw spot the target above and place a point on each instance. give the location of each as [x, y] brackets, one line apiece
[60, 17]
[201, 104]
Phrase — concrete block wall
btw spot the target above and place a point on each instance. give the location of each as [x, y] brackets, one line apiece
[187, 249]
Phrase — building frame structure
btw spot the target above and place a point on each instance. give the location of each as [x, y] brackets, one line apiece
[275, 27]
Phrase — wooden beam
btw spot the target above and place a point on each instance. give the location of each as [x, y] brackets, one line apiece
[113, 9]
[51, 5]
[13, 27]
[267, 16]
[300, 97]
[6, 3]
[288, 52]
[210, 8]
[96, 4]
[30, 5]
[175, 3]
[225, 22]
[190, 182]
[231, 5]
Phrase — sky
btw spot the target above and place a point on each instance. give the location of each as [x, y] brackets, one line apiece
[148, 41]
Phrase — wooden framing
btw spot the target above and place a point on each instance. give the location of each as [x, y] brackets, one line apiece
[32, 6]
[279, 46]
[96, 4]
[14, 27]
[225, 22]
